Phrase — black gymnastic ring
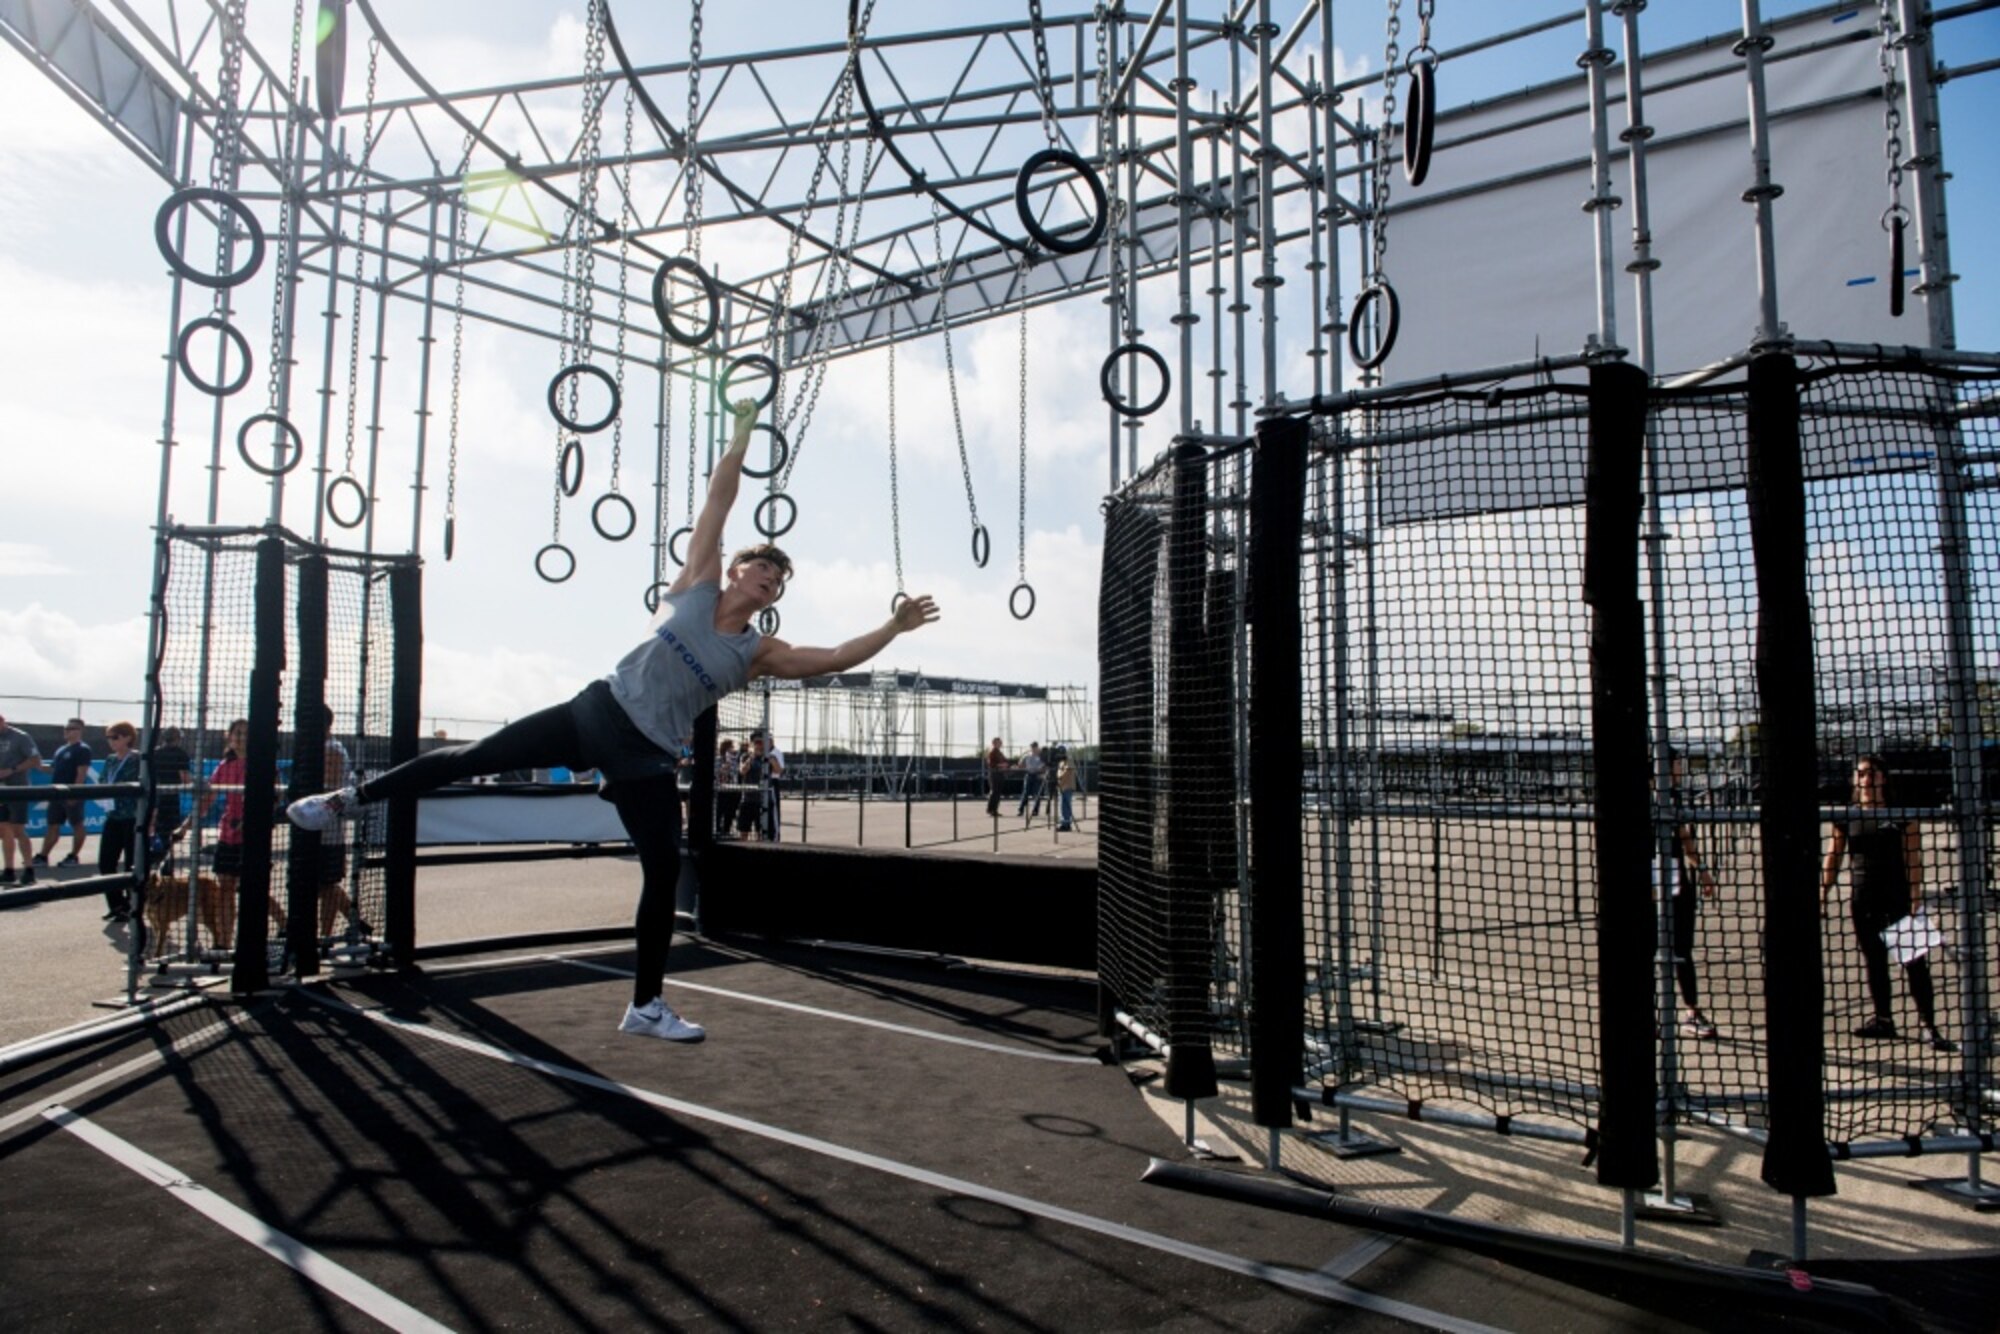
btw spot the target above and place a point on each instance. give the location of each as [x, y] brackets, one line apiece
[769, 366]
[1013, 600]
[228, 203]
[361, 497]
[768, 621]
[1392, 308]
[1119, 405]
[896, 601]
[330, 64]
[597, 518]
[704, 330]
[1041, 235]
[229, 333]
[773, 529]
[569, 468]
[568, 555]
[555, 406]
[652, 596]
[450, 535]
[285, 429]
[1420, 128]
[781, 450]
[982, 545]
[678, 557]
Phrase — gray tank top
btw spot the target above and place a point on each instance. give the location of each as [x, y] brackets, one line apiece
[684, 666]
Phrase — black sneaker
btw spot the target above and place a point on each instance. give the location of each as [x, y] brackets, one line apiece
[70, 860]
[27, 875]
[39, 859]
[1878, 1027]
[1938, 1041]
[7, 876]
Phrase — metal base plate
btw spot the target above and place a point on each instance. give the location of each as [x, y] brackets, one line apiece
[1693, 1210]
[1352, 1145]
[1982, 1198]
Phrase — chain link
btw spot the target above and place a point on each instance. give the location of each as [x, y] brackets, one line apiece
[624, 275]
[457, 348]
[1021, 494]
[224, 163]
[691, 167]
[1114, 203]
[1045, 93]
[1391, 68]
[1892, 107]
[360, 257]
[895, 500]
[950, 367]
[281, 272]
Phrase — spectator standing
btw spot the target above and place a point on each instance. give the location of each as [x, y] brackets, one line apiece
[774, 769]
[1065, 787]
[1034, 768]
[997, 763]
[71, 764]
[170, 766]
[334, 900]
[114, 844]
[19, 757]
[751, 773]
[728, 796]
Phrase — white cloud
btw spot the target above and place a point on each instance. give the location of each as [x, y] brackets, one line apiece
[51, 653]
[21, 559]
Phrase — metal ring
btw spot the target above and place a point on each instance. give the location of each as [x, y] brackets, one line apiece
[773, 529]
[654, 592]
[228, 203]
[768, 621]
[678, 535]
[1049, 157]
[1392, 322]
[755, 359]
[662, 308]
[1014, 599]
[567, 555]
[569, 468]
[450, 534]
[229, 334]
[1894, 216]
[896, 602]
[286, 431]
[360, 501]
[982, 545]
[597, 517]
[555, 406]
[781, 450]
[1119, 405]
[1420, 126]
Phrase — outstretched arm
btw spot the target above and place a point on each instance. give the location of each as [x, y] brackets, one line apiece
[704, 561]
[1835, 851]
[777, 658]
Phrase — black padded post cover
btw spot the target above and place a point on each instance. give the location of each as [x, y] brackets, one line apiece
[1190, 893]
[406, 619]
[252, 971]
[302, 866]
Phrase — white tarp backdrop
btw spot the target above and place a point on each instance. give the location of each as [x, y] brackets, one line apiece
[1494, 256]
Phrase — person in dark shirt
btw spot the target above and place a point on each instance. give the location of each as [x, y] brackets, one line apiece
[1888, 885]
[169, 763]
[70, 765]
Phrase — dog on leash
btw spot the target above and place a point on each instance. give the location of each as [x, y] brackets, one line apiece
[167, 903]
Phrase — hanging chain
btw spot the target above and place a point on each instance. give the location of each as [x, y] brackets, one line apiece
[1045, 93]
[694, 439]
[950, 368]
[567, 349]
[281, 273]
[224, 162]
[839, 270]
[895, 500]
[1021, 495]
[624, 273]
[1892, 109]
[1114, 203]
[1391, 67]
[690, 164]
[589, 145]
[664, 464]
[457, 350]
[1426, 10]
[360, 257]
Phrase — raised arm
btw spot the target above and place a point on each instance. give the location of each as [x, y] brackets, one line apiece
[704, 560]
[777, 658]
[1834, 852]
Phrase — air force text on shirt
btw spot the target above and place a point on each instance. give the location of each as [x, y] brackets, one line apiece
[687, 656]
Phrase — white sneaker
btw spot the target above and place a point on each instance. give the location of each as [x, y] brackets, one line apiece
[322, 812]
[656, 1019]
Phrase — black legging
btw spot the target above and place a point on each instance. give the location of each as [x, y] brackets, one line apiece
[649, 808]
[1684, 910]
[1870, 921]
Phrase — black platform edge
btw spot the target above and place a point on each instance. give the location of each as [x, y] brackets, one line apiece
[761, 945]
[1792, 1289]
[582, 935]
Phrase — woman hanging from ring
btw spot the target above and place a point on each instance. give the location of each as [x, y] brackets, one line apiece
[630, 725]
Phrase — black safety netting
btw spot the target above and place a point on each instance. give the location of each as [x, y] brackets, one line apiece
[332, 612]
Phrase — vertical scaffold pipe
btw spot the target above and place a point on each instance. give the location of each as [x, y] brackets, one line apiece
[1184, 200]
[1927, 215]
[1795, 1154]
[1193, 706]
[1762, 189]
[1268, 280]
[1596, 58]
[1277, 875]
[252, 971]
[1626, 1154]
[426, 341]
[406, 619]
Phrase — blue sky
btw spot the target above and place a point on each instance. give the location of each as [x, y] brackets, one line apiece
[81, 391]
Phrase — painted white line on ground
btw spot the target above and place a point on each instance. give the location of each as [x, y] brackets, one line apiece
[1061, 1058]
[507, 960]
[337, 1279]
[1297, 1280]
[111, 1076]
[1359, 1256]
